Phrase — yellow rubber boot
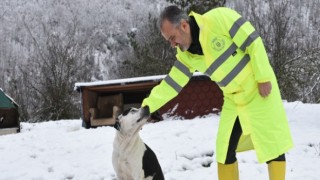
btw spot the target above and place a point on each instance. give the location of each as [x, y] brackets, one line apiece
[277, 170]
[228, 171]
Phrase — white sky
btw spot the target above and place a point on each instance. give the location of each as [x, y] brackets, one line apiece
[57, 150]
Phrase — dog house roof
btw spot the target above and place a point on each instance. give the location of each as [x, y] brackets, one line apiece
[6, 101]
[126, 81]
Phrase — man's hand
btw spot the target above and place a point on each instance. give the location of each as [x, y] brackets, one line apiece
[145, 111]
[264, 88]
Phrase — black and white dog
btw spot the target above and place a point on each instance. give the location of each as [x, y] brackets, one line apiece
[132, 159]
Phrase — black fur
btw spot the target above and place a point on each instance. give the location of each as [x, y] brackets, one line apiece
[151, 166]
[117, 125]
[126, 112]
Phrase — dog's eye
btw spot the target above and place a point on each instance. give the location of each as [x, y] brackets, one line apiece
[133, 110]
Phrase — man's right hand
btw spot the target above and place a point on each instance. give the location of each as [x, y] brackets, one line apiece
[265, 89]
[145, 111]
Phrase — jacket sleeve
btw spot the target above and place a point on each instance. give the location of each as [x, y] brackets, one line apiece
[247, 39]
[169, 87]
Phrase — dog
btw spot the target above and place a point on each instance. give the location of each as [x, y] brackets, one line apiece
[132, 159]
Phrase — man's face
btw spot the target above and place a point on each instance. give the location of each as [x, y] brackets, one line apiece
[177, 35]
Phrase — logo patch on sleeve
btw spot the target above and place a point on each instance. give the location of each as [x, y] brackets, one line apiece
[218, 43]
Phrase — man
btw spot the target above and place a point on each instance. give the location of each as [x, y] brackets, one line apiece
[228, 49]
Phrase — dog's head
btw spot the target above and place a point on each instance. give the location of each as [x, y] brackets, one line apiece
[131, 120]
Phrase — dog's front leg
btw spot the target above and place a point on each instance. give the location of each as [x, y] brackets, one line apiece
[140, 176]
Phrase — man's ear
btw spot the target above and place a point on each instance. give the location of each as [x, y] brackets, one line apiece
[184, 22]
[185, 25]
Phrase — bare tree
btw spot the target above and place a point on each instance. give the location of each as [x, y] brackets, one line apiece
[151, 53]
[199, 6]
[56, 66]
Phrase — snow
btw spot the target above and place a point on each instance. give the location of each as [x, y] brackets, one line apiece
[64, 150]
[120, 81]
[126, 80]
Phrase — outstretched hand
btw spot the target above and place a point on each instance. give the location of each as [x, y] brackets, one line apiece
[265, 88]
[145, 110]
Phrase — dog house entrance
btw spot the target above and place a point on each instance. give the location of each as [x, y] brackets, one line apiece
[104, 107]
[105, 110]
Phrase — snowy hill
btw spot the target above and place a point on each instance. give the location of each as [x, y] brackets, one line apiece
[185, 149]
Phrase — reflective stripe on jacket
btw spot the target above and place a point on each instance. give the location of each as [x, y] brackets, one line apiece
[234, 57]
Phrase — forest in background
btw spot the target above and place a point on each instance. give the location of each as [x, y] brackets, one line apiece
[48, 45]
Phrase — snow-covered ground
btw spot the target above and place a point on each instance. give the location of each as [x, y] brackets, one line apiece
[57, 150]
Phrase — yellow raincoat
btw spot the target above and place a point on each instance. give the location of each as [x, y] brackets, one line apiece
[235, 58]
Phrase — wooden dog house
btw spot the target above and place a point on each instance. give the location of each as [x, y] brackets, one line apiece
[199, 97]
[9, 115]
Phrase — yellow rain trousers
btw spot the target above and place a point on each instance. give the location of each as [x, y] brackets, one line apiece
[235, 58]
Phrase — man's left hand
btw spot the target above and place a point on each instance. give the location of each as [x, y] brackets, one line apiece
[264, 88]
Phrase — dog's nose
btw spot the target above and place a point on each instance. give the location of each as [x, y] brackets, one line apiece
[145, 111]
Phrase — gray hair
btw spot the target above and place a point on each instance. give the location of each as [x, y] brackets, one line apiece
[173, 14]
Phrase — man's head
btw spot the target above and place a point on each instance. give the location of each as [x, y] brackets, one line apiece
[175, 28]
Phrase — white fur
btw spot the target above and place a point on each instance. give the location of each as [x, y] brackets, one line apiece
[128, 148]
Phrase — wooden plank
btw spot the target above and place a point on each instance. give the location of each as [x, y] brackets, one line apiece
[126, 87]
[103, 122]
[8, 131]
[89, 100]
